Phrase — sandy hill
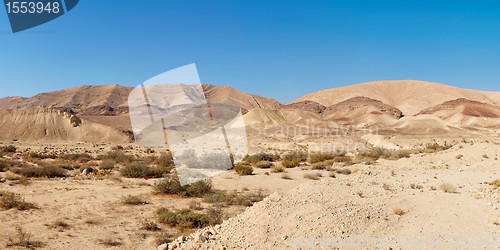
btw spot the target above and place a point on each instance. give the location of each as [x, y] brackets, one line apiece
[308, 106]
[466, 113]
[83, 100]
[359, 110]
[55, 126]
[246, 101]
[407, 95]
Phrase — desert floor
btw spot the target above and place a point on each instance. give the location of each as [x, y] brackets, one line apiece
[428, 201]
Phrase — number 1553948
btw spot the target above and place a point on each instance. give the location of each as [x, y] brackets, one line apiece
[33, 7]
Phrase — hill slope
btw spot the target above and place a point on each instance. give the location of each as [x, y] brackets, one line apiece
[407, 95]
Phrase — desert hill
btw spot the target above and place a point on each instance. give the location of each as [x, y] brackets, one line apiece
[55, 126]
[466, 113]
[399, 106]
[359, 110]
[409, 96]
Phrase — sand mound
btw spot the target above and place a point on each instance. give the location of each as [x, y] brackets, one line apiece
[55, 126]
[407, 95]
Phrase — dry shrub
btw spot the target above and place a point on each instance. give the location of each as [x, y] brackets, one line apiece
[10, 200]
[234, 198]
[133, 200]
[344, 171]
[187, 219]
[447, 188]
[23, 239]
[290, 163]
[286, 177]
[171, 185]
[398, 211]
[139, 170]
[243, 168]
[277, 169]
[150, 226]
[47, 171]
[314, 176]
[263, 164]
[253, 159]
[107, 165]
[495, 183]
[110, 242]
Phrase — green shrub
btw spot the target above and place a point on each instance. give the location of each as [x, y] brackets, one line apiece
[261, 157]
[296, 156]
[171, 185]
[183, 219]
[234, 198]
[243, 168]
[187, 219]
[9, 149]
[48, 171]
[138, 170]
[263, 164]
[77, 157]
[117, 156]
[319, 157]
[5, 164]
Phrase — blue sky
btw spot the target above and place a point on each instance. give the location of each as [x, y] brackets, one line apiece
[279, 49]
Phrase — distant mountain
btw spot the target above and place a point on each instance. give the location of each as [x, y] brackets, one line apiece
[409, 96]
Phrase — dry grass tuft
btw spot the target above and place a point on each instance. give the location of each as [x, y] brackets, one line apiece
[448, 188]
[398, 211]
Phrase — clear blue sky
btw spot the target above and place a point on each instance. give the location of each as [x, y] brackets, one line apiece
[280, 49]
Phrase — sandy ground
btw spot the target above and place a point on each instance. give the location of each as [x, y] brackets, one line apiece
[328, 213]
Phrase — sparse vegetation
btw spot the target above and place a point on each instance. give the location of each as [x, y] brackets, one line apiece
[344, 171]
[253, 159]
[447, 188]
[47, 171]
[140, 170]
[117, 156]
[286, 177]
[398, 211]
[150, 226]
[314, 176]
[9, 149]
[243, 168]
[187, 219]
[290, 163]
[234, 198]
[110, 242]
[23, 239]
[133, 200]
[495, 183]
[263, 164]
[9, 200]
[171, 185]
[277, 169]
[60, 225]
[107, 165]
